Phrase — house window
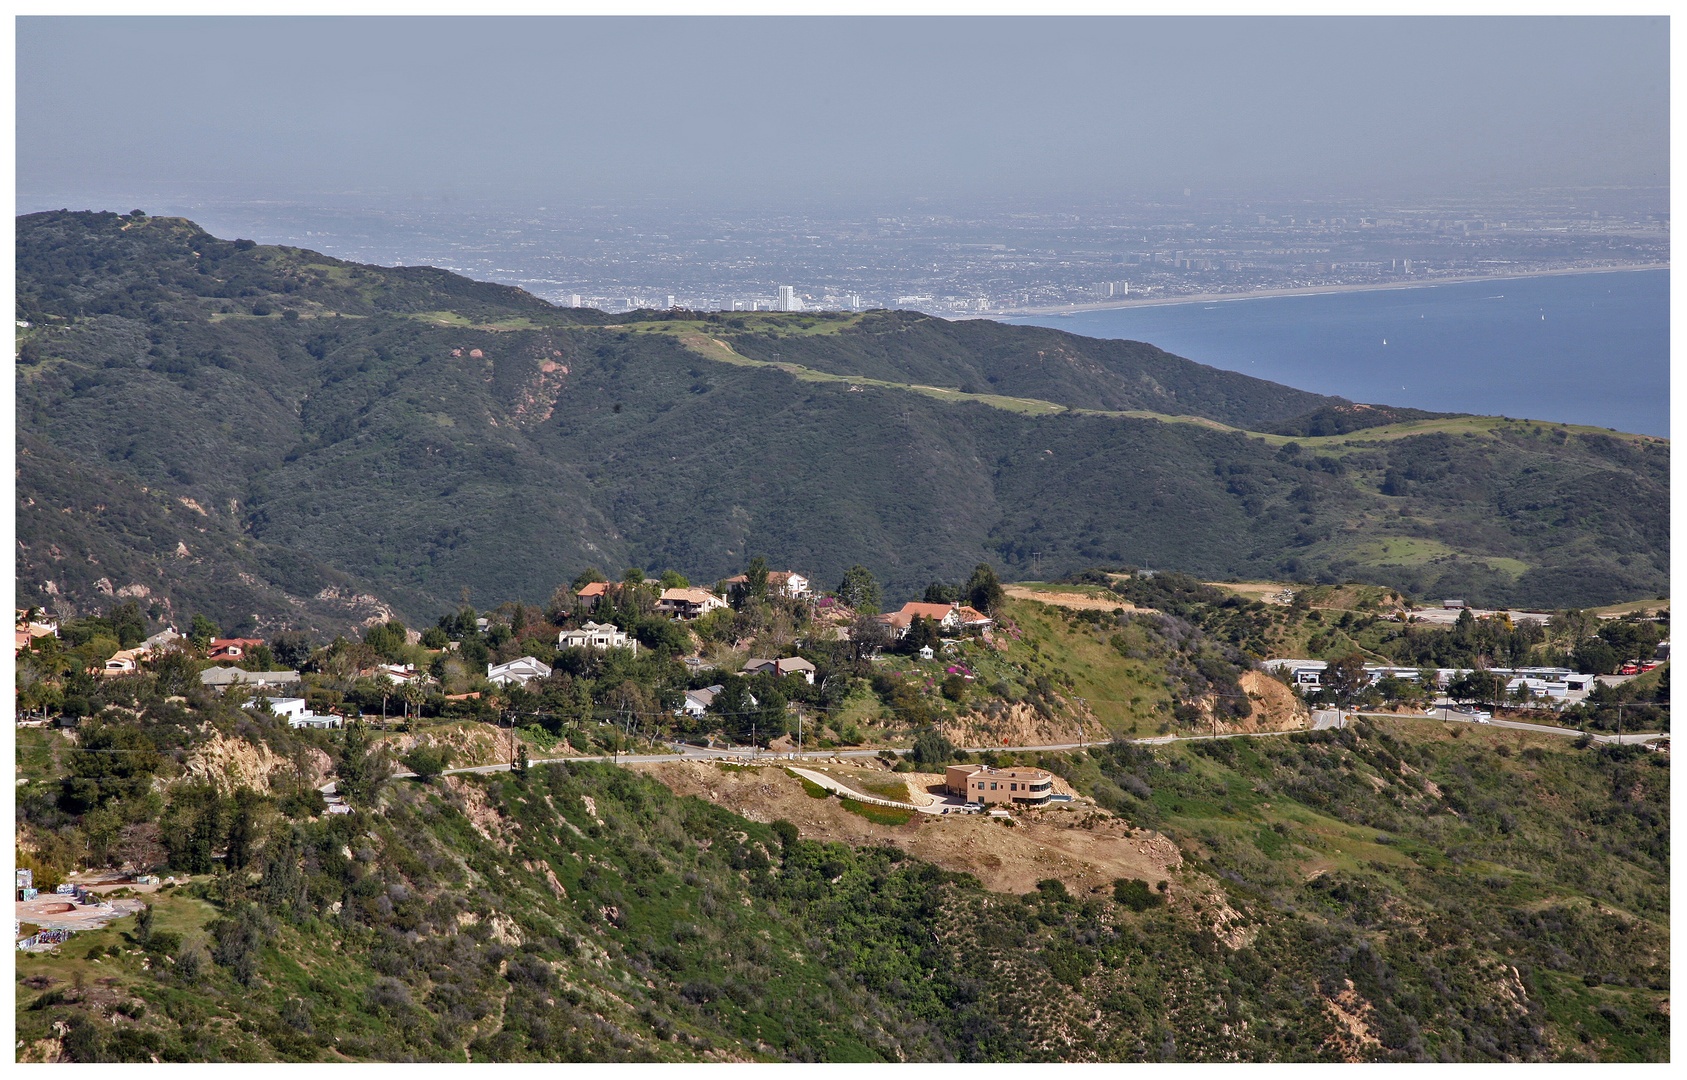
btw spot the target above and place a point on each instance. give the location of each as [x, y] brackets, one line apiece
[992, 787]
[1013, 787]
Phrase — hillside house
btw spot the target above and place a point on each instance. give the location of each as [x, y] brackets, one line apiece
[221, 678]
[688, 603]
[126, 661]
[163, 639]
[231, 648]
[27, 634]
[298, 715]
[401, 674]
[786, 583]
[984, 785]
[697, 702]
[28, 629]
[589, 594]
[600, 636]
[951, 617]
[519, 671]
[790, 665]
[794, 665]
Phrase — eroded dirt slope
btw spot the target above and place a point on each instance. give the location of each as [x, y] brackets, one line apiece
[1083, 847]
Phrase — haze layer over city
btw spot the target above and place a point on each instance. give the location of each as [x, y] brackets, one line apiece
[975, 259]
[909, 163]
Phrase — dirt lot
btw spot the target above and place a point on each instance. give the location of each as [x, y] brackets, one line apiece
[1266, 591]
[49, 911]
[1041, 844]
[1070, 599]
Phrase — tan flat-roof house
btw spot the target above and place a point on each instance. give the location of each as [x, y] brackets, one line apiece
[982, 784]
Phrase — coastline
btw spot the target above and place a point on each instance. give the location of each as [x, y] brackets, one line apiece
[1310, 290]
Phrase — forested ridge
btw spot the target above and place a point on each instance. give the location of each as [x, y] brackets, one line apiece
[334, 429]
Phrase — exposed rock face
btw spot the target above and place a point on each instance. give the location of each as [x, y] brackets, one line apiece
[235, 763]
[1020, 724]
[1275, 707]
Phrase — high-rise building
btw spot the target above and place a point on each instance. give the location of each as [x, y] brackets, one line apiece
[788, 299]
[670, 301]
[573, 299]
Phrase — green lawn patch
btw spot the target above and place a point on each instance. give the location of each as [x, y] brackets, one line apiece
[878, 815]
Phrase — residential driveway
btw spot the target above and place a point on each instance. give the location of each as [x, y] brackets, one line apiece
[837, 788]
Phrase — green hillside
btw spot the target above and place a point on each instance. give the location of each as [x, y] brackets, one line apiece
[1375, 894]
[336, 419]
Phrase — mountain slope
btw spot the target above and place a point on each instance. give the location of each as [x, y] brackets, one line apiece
[418, 434]
[1388, 892]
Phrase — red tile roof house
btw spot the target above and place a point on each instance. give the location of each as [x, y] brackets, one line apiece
[232, 648]
[593, 592]
[946, 616]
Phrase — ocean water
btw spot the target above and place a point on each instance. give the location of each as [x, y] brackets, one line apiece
[1575, 348]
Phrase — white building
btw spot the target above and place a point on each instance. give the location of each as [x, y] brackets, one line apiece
[600, 636]
[786, 583]
[697, 702]
[297, 715]
[788, 299]
[519, 671]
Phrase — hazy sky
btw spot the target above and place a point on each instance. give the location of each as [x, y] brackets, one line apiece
[746, 111]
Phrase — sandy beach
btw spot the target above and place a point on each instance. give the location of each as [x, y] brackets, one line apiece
[1310, 290]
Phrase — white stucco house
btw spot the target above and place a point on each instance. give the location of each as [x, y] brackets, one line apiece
[519, 671]
[600, 636]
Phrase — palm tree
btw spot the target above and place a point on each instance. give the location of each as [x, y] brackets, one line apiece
[384, 683]
[412, 695]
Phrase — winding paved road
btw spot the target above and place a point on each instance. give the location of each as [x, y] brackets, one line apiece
[1322, 719]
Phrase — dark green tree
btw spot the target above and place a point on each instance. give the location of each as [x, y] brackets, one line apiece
[983, 591]
[127, 623]
[922, 632]
[427, 761]
[291, 649]
[755, 579]
[174, 672]
[192, 825]
[932, 748]
[1477, 686]
[202, 631]
[362, 767]
[1345, 679]
[860, 590]
[242, 827]
[939, 593]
